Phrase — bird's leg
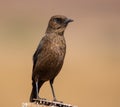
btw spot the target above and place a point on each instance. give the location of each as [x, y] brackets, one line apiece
[51, 84]
[37, 96]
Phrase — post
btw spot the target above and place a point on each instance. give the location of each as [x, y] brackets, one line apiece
[46, 103]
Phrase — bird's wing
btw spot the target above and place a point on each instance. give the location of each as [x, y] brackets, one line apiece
[39, 49]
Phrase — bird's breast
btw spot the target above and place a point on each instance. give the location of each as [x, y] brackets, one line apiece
[58, 47]
[57, 51]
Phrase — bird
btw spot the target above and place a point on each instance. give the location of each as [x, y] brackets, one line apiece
[49, 56]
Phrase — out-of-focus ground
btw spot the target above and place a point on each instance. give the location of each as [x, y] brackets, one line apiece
[90, 76]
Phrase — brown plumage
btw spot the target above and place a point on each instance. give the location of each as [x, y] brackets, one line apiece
[49, 56]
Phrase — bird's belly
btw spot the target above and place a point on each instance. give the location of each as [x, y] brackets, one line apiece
[51, 65]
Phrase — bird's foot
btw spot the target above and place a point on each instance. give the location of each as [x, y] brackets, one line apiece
[38, 99]
[43, 99]
[55, 100]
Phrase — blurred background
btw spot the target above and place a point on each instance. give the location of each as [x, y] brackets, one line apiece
[90, 76]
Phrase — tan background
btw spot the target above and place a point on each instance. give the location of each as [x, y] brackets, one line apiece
[90, 76]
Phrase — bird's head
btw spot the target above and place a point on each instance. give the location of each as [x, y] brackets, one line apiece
[58, 24]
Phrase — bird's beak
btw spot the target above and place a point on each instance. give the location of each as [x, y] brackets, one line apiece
[68, 20]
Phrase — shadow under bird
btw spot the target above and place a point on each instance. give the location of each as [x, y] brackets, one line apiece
[49, 55]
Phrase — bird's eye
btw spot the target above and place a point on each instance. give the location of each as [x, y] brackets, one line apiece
[58, 20]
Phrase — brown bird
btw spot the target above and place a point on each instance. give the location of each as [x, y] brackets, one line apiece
[49, 56]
